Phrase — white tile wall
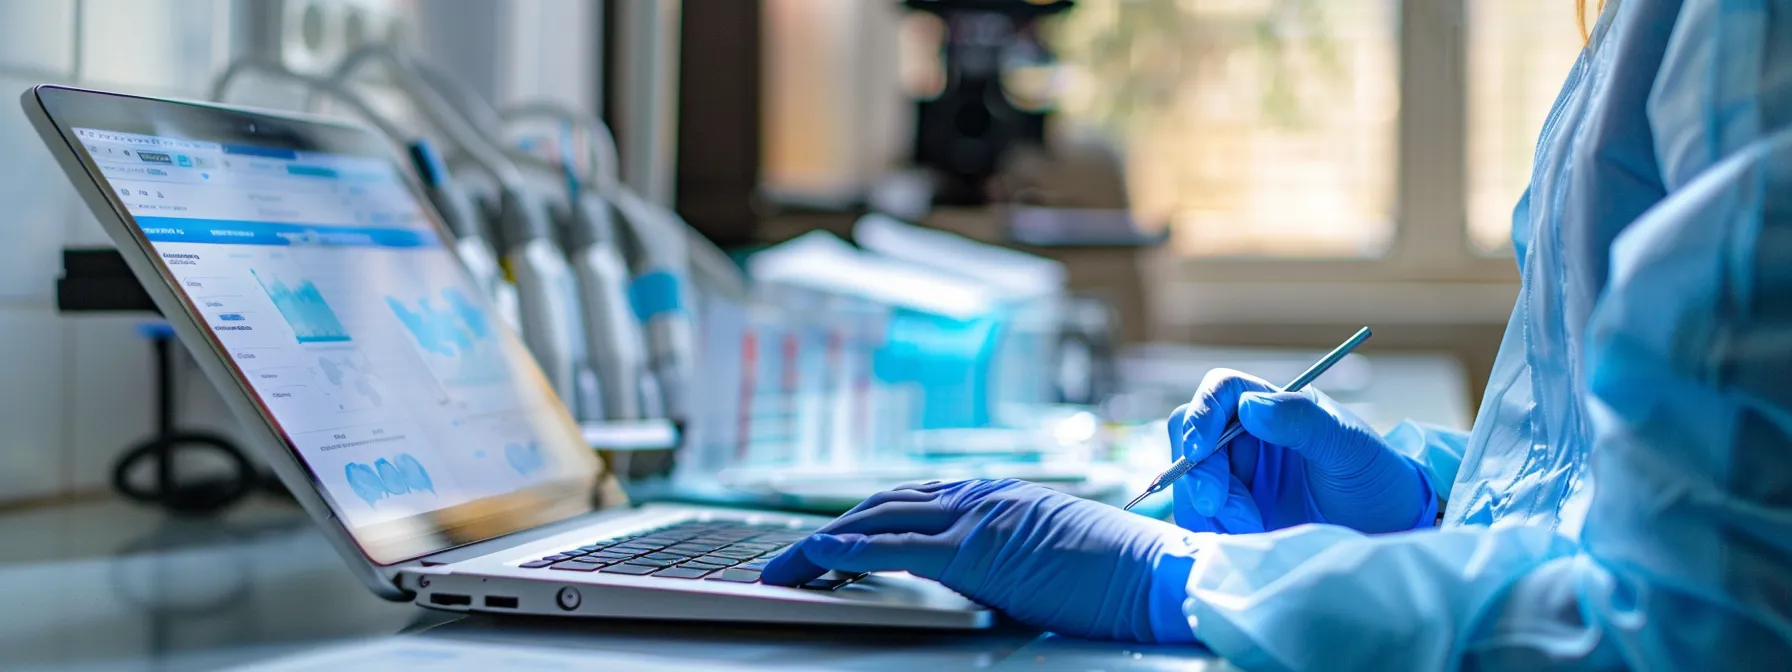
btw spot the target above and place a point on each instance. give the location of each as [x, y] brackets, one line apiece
[75, 391]
[36, 198]
[83, 229]
[154, 46]
[31, 435]
[38, 36]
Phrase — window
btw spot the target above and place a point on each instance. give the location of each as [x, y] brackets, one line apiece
[1314, 160]
[1252, 127]
[1518, 54]
[1269, 127]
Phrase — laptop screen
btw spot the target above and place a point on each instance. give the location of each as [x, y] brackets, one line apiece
[333, 294]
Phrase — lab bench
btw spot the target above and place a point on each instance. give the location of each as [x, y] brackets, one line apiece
[109, 586]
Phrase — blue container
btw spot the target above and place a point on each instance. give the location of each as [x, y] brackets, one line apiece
[949, 359]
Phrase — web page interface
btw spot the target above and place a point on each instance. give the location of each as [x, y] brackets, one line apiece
[334, 296]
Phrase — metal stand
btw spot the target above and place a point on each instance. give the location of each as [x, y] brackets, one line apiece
[169, 491]
[98, 280]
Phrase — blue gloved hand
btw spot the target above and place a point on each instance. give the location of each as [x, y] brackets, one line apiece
[1048, 559]
[1302, 459]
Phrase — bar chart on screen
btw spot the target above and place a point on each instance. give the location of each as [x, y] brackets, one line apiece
[304, 308]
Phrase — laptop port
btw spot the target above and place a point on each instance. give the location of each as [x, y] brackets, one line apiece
[500, 602]
[450, 599]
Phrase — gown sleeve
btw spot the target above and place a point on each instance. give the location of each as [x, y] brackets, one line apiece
[1438, 451]
[1684, 560]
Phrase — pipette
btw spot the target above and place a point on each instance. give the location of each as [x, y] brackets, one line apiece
[1185, 465]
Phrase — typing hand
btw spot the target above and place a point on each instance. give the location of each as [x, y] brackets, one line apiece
[1048, 559]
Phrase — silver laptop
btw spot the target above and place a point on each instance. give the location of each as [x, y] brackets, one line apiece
[322, 297]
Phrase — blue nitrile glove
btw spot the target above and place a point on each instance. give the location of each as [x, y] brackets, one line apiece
[1302, 459]
[1048, 559]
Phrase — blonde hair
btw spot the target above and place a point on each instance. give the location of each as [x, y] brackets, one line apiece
[1580, 17]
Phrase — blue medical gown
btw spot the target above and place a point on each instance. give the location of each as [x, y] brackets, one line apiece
[1625, 499]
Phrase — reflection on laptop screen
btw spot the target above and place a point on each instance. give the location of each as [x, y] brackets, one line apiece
[350, 318]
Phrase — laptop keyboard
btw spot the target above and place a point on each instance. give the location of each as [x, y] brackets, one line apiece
[728, 551]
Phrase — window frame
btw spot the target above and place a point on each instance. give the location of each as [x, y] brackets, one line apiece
[1431, 274]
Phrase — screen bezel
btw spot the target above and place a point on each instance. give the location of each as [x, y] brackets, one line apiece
[572, 492]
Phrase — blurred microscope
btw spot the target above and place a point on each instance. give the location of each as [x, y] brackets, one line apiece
[990, 105]
[988, 139]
